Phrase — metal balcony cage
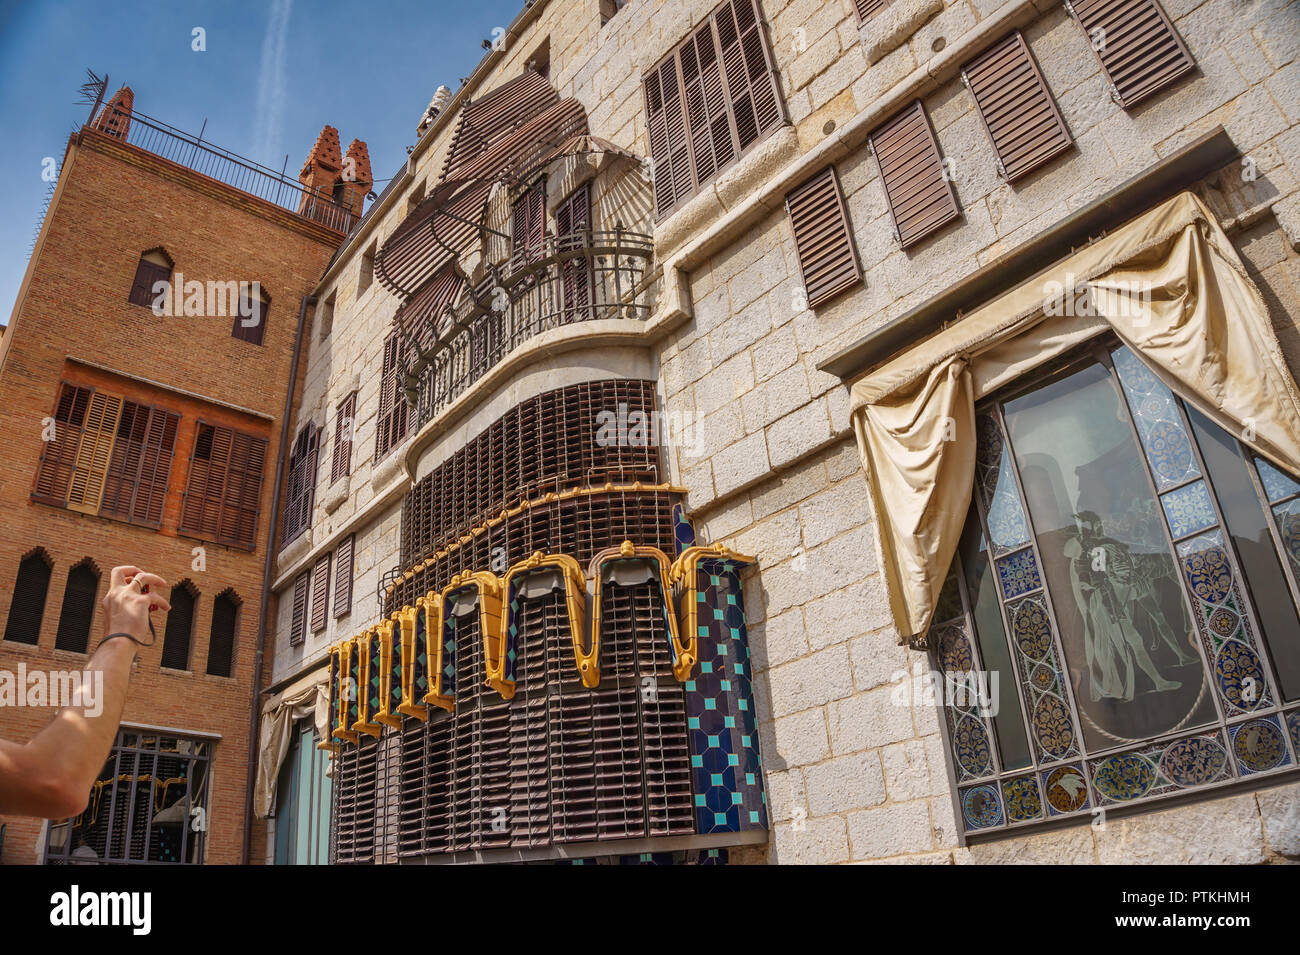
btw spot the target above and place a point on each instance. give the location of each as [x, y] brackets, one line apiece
[149, 806]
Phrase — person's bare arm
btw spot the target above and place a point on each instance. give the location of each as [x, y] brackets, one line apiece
[51, 775]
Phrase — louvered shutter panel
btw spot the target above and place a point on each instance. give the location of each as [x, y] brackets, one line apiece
[393, 410]
[219, 474]
[320, 591]
[207, 480]
[344, 426]
[95, 452]
[78, 609]
[706, 104]
[751, 82]
[820, 222]
[869, 8]
[1136, 44]
[27, 606]
[136, 483]
[528, 225]
[1016, 106]
[59, 458]
[124, 465]
[301, 483]
[573, 217]
[248, 504]
[155, 468]
[343, 576]
[921, 200]
[147, 274]
[298, 623]
[673, 178]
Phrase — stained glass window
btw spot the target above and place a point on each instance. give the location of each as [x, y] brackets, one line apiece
[1120, 624]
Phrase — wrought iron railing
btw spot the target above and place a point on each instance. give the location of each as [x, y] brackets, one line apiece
[155, 136]
[579, 277]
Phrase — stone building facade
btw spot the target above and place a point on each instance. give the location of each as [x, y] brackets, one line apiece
[756, 384]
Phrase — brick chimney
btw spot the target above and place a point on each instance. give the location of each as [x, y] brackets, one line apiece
[321, 172]
[357, 162]
[333, 183]
[115, 117]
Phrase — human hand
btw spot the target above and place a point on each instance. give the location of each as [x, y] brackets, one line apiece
[132, 596]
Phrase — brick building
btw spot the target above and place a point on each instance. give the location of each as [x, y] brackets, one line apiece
[145, 430]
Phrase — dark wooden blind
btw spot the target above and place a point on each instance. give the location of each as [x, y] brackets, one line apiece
[298, 622]
[225, 625]
[573, 217]
[921, 199]
[709, 100]
[180, 626]
[1136, 44]
[344, 426]
[528, 224]
[136, 483]
[343, 576]
[301, 486]
[146, 275]
[223, 494]
[393, 411]
[320, 592]
[59, 458]
[822, 237]
[253, 309]
[1016, 106]
[78, 608]
[27, 608]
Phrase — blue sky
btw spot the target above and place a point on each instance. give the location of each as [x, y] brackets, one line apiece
[274, 72]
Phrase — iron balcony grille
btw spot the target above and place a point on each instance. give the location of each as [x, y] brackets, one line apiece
[148, 806]
[579, 277]
[154, 136]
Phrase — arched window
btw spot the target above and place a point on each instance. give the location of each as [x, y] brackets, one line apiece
[28, 605]
[180, 626]
[250, 322]
[225, 623]
[78, 607]
[154, 266]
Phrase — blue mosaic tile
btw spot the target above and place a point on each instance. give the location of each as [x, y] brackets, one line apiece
[1188, 509]
[1277, 484]
[1159, 423]
[1018, 574]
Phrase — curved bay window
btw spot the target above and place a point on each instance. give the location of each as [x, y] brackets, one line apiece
[1120, 623]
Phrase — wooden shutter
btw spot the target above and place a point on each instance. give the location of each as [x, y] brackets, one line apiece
[869, 8]
[1016, 106]
[147, 274]
[393, 411]
[320, 591]
[820, 222]
[222, 497]
[136, 483]
[528, 225]
[301, 485]
[254, 334]
[1136, 44]
[921, 199]
[27, 607]
[344, 426]
[59, 459]
[225, 627]
[95, 452]
[709, 100]
[180, 627]
[573, 217]
[343, 576]
[78, 608]
[298, 623]
[240, 502]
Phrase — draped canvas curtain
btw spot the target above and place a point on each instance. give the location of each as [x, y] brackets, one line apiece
[307, 698]
[1169, 283]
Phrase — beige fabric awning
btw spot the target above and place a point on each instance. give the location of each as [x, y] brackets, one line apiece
[308, 697]
[1171, 286]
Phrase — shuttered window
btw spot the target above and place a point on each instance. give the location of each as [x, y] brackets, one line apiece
[822, 237]
[179, 631]
[222, 498]
[298, 622]
[393, 411]
[344, 427]
[709, 100]
[225, 626]
[921, 198]
[528, 225]
[343, 576]
[573, 217]
[78, 608]
[869, 8]
[136, 484]
[1136, 44]
[1016, 106]
[91, 466]
[254, 309]
[152, 268]
[63, 440]
[27, 608]
[300, 490]
[320, 592]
